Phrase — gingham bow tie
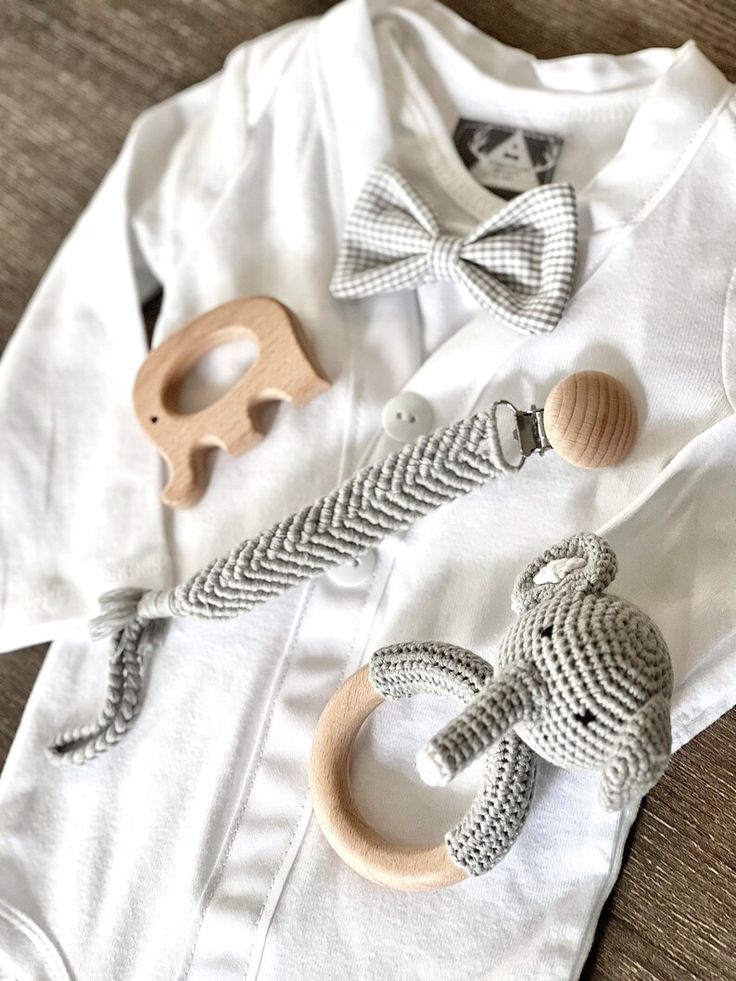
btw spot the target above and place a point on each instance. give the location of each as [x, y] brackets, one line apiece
[519, 263]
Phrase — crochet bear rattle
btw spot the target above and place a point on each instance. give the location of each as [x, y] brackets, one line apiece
[582, 679]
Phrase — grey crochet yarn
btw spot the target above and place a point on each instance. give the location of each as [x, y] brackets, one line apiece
[379, 500]
[496, 816]
[584, 678]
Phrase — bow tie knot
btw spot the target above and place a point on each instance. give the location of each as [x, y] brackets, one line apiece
[443, 256]
[519, 263]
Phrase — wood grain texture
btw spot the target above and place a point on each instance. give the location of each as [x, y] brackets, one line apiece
[284, 369]
[73, 76]
[590, 419]
[359, 845]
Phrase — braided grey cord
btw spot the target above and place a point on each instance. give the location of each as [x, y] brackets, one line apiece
[496, 816]
[379, 500]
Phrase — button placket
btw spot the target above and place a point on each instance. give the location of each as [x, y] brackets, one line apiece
[356, 572]
[330, 640]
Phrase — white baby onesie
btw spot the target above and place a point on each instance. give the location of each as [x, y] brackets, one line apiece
[190, 850]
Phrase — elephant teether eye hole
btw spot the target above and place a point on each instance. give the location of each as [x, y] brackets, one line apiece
[585, 718]
[546, 631]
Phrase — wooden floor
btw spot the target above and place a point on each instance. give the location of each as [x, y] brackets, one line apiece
[74, 74]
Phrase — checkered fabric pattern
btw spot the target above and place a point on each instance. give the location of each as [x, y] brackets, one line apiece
[519, 263]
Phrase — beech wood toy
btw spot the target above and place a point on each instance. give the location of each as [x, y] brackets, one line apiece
[590, 420]
[284, 370]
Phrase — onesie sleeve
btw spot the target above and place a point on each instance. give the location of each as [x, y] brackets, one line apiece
[729, 342]
[78, 508]
[79, 483]
[676, 547]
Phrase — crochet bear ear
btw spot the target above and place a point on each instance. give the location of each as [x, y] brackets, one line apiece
[584, 563]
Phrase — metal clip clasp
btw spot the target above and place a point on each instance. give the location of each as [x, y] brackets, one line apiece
[529, 431]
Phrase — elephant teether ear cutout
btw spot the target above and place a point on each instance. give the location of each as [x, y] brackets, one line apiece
[582, 564]
[284, 370]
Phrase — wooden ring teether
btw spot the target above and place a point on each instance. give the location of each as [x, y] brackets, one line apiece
[497, 814]
[357, 844]
[283, 370]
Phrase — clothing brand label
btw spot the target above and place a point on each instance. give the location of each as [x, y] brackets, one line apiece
[506, 160]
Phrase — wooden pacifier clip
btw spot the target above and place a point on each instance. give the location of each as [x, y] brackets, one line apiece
[284, 370]
[589, 419]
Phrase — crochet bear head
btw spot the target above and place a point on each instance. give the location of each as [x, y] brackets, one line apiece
[583, 677]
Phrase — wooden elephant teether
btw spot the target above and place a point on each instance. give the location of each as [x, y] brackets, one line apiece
[283, 370]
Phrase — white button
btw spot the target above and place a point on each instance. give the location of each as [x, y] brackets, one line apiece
[356, 572]
[407, 416]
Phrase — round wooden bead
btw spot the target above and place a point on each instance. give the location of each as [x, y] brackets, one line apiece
[590, 419]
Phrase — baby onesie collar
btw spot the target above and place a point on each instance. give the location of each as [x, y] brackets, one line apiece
[675, 95]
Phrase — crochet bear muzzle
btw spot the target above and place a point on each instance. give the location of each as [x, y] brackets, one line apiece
[583, 677]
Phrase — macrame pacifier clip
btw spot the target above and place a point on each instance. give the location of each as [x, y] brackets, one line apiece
[589, 419]
[582, 679]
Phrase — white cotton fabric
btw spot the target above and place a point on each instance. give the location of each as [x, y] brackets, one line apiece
[190, 850]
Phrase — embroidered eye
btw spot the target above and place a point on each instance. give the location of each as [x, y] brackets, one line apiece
[585, 718]
[546, 631]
